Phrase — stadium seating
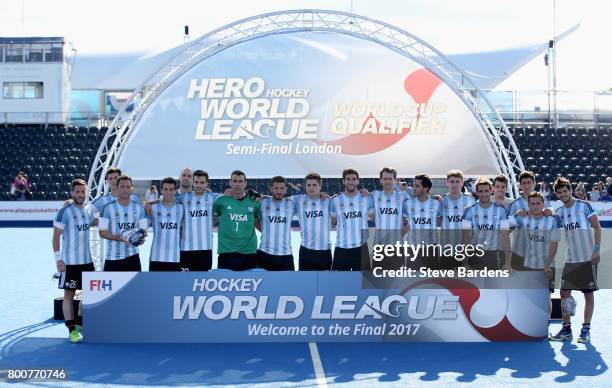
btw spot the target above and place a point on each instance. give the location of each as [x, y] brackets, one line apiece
[582, 154]
[51, 157]
[54, 155]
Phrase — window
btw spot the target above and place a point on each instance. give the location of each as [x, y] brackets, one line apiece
[22, 90]
[14, 53]
[34, 53]
[54, 52]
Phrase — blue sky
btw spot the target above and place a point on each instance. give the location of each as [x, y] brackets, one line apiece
[451, 26]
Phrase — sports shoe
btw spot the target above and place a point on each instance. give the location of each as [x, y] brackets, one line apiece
[565, 334]
[75, 336]
[585, 335]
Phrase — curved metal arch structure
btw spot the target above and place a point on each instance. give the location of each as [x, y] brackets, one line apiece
[498, 138]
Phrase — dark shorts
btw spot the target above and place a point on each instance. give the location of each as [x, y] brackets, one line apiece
[580, 277]
[237, 261]
[551, 281]
[517, 262]
[490, 260]
[351, 259]
[196, 260]
[417, 261]
[449, 262]
[72, 278]
[380, 258]
[129, 264]
[275, 262]
[161, 266]
[315, 260]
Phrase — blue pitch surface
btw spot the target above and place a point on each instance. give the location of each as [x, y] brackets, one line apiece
[30, 338]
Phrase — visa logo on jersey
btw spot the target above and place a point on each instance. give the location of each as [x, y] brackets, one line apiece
[388, 211]
[168, 225]
[572, 226]
[277, 220]
[353, 214]
[536, 238]
[421, 220]
[238, 217]
[126, 225]
[83, 228]
[314, 213]
[100, 285]
[198, 213]
[455, 218]
[486, 227]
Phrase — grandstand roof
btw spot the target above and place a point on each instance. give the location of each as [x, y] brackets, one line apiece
[32, 39]
[127, 71]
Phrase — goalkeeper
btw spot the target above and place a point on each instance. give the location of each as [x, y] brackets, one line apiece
[123, 224]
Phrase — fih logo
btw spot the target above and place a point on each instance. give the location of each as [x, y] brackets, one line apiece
[100, 285]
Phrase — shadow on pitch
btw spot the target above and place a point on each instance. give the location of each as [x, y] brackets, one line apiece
[427, 361]
[158, 364]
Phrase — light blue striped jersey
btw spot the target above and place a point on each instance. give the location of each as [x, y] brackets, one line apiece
[539, 234]
[452, 211]
[578, 230]
[486, 224]
[198, 223]
[99, 202]
[351, 213]
[117, 218]
[519, 243]
[75, 222]
[389, 215]
[422, 220]
[275, 217]
[315, 221]
[166, 223]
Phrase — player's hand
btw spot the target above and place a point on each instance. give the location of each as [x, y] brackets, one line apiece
[148, 208]
[521, 213]
[548, 212]
[68, 202]
[548, 272]
[323, 195]
[364, 192]
[61, 266]
[595, 258]
[207, 190]
[227, 192]
[437, 197]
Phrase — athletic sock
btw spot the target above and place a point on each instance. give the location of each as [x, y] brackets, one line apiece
[586, 326]
[79, 320]
[567, 325]
[70, 325]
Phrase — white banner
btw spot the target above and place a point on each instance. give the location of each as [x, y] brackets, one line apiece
[290, 104]
[29, 210]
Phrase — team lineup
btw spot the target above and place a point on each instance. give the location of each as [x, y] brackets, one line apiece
[182, 225]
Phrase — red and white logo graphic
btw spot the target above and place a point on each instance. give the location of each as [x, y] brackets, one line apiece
[419, 86]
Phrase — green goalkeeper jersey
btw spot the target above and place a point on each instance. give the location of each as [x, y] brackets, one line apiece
[236, 224]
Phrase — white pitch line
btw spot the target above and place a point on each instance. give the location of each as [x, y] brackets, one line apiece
[318, 366]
